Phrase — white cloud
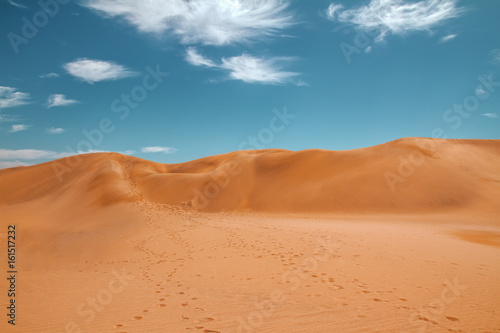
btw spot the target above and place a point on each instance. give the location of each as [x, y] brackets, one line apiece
[59, 100]
[209, 22]
[19, 127]
[446, 38]
[400, 17]
[332, 9]
[10, 97]
[49, 76]
[158, 149]
[495, 56]
[259, 70]
[54, 130]
[196, 59]
[6, 118]
[18, 5]
[480, 91]
[25, 154]
[12, 164]
[90, 70]
[250, 69]
[21, 155]
[490, 115]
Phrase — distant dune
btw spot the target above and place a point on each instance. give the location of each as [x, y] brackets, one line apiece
[406, 176]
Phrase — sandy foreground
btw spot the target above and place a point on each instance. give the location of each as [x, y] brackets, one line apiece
[109, 249]
[246, 273]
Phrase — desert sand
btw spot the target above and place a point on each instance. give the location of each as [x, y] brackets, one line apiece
[399, 237]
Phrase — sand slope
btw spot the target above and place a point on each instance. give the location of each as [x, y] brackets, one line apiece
[405, 176]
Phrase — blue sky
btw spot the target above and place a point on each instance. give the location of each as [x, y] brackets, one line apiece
[172, 81]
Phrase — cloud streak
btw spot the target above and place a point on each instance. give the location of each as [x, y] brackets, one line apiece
[91, 70]
[249, 69]
[19, 128]
[59, 100]
[208, 22]
[23, 157]
[15, 4]
[49, 76]
[28, 154]
[196, 59]
[54, 130]
[447, 38]
[259, 70]
[158, 149]
[397, 17]
[495, 56]
[12, 164]
[10, 97]
[6, 118]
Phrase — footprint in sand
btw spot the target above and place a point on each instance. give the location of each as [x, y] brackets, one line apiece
[138, 317]
[206, 319]
[452, 318]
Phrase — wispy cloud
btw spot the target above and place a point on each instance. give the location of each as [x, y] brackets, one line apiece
[447, 38]
[332, 10]
[158, 149]
[495, 56]
[7, 118]
[26, 154]
[49, 76]
[32, 154]
[490, 115]
[250, 69]
[10, 97]
[209, 22]
[59, 100]
[15, 4]
[480, 91]
[11, 157]
[19, 128]
[196, 59]
[397, 16]
[12, 164]
[259, 70]
[54, 130]
[90, 70]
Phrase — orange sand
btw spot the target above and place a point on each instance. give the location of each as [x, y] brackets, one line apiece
[400, 237]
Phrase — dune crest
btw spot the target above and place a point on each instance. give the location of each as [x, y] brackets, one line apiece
[406, 176]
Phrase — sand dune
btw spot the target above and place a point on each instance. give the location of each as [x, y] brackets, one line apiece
[405, 176]
[400, 237]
